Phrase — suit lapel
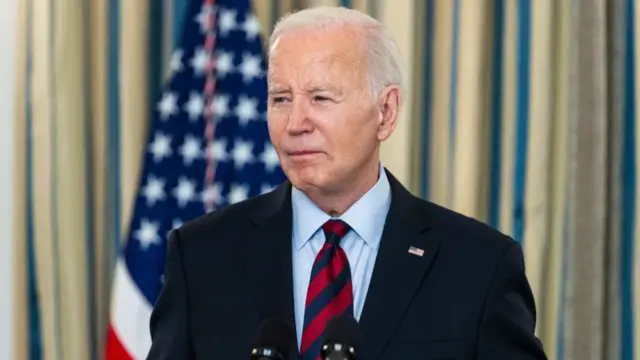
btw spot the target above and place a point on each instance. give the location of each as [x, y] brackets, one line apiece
[267, 263]
[267, 256]
[398, 273]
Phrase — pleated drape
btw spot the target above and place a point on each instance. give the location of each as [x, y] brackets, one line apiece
[22, 288]
[531, 128]
[65, 196]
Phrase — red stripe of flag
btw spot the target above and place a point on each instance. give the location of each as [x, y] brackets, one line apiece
[115, 350]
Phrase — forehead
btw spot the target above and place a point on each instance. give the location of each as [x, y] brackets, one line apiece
[333, 54]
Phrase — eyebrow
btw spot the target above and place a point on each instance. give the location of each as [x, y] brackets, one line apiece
[324, 87]
[277, 91]
[321, 88]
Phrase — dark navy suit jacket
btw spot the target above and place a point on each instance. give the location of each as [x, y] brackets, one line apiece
[466, 297]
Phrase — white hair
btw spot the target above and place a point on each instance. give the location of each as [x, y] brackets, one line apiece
[382, 55]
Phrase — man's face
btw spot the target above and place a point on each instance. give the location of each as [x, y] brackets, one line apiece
[322, 119]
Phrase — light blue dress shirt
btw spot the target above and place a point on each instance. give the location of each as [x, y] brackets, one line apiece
[366, 218]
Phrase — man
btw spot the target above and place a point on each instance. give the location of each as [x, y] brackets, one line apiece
[342, 235]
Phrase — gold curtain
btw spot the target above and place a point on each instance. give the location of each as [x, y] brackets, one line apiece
[64, 165]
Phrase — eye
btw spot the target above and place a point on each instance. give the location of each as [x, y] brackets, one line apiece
[278, 99]
[321, 98]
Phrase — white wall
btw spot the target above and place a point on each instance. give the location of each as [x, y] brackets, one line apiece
[8, 14]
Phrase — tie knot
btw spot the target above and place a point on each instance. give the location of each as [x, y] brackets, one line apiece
[335, 230]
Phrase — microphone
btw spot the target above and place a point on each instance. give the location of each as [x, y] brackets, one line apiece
[342, 339]
[275, 340]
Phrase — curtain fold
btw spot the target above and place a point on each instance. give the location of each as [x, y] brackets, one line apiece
[552, 275]
[588, 186]
[97, 170]
[537, 194]
[444, 56]
[551, 162]
[69, 188]
[399, 18]
[22, 288]
[468, 115]
[65, 155]
[42, 109]
[630, 260]
[134, 98]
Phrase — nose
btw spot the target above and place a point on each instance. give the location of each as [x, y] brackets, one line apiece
[299, 122]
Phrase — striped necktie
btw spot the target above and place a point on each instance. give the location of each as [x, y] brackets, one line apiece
[330, 292]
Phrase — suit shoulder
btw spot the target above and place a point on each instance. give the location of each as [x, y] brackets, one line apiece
[230, 219]
[466, 231]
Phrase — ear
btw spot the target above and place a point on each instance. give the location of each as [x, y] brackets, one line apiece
[388, 107]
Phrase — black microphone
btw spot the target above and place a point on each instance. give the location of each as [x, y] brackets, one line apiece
[275, 339]
[342, 339]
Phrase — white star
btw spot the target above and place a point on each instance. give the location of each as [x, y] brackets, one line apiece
[251, 26]
[242, 153]
[185, 191]
[200, 61]
[269, 157]
[246, 110]
[227, 21]
[224, 63]
[250, 67]
[217, 150]
[195, 106]
[147, 234]
[168, 106]
[204, 18]
[161, 146]
[190, 149]
[265, 188]
[153, 191]
[220, 106]
[175, 65]
[238, 193]
[212, 194]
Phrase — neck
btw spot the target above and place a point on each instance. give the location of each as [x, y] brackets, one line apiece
[336, 203]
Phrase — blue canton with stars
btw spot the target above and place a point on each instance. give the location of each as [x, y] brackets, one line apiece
[173, 188]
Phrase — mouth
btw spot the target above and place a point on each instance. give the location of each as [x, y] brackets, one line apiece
[303, 153]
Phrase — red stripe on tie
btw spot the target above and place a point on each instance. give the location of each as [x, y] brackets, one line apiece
[337, 306]
[336, 227]
[326, 275]
[326, 296]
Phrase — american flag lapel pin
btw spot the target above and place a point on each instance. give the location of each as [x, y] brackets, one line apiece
[415, 251]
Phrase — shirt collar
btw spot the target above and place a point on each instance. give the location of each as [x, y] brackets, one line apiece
[366, 217]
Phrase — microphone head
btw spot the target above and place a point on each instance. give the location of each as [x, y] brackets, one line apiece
[275, 339]
[342, 335]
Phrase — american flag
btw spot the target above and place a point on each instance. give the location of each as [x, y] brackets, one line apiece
[208, 147]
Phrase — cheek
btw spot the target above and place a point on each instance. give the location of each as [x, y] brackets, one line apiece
[357, 142]
[276, 126]
[346, 146]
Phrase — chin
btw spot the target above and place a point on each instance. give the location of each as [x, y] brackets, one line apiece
[307, 178]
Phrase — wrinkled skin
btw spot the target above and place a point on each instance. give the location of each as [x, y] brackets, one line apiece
[323, 122]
